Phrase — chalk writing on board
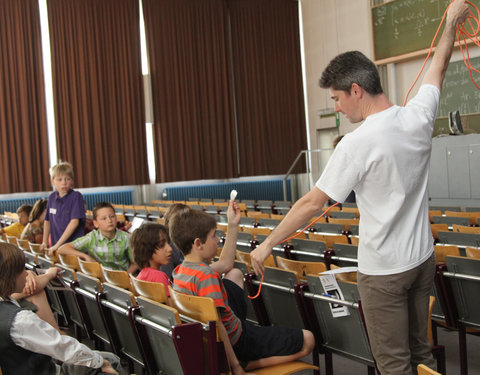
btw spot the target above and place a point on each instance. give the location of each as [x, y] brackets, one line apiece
[404, 26]
[458, 91]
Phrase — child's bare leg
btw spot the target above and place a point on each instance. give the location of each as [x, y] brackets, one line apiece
[235, 275]
[308, 345]
[44, 311]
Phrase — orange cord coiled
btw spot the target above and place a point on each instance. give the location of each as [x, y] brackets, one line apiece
[462, 35]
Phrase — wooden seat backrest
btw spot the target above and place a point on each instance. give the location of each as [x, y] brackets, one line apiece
[442, 251]
[329, 240]
[23, 244]
[118, 278]
[245, 257]
[69, 260]
[354, 240]
[424, 370]
[432, 213]
[465, 229]
[350, 277]
[199, 308]
[472, 252]
[302, 268]
[258, 214]
[150, 290]
[352, 209]
[254, 231]
[93, 269]
[438, 227]
[35, 248]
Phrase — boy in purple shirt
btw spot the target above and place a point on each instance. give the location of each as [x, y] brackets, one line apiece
[65, 215]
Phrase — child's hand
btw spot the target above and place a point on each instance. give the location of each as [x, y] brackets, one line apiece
[30, 284]
[86, 258]
[233, 213]
[52, 250]
[107, 368]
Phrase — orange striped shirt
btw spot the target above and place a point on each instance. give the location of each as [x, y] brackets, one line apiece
[199, 279]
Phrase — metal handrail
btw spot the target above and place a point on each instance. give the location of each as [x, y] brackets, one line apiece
[307, 153]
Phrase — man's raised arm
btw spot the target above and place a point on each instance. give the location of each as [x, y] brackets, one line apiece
[456, 15]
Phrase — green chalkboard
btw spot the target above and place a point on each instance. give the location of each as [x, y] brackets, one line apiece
[458, 91]
[403, 26]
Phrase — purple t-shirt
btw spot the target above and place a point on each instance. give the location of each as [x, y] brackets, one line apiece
[61, 210]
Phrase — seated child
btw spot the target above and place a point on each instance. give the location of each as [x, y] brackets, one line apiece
[106, 245]
[16, 229]
[151, 250]
[33, 232]
[177, 256]
[194, 232]
[65, 216]
[28, 344]
[33, 295]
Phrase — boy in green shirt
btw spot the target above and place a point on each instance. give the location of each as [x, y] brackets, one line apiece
[106, 245]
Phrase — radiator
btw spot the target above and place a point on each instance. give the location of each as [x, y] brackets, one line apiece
[91, 199]
[254, 190]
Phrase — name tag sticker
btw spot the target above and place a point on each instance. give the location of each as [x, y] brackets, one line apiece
[53, 211]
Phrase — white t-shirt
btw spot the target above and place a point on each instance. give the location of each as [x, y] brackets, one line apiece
[386, 162]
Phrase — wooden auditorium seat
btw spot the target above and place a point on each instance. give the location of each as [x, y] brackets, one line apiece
[203, 309]
[424, 370]
[69, 260]
[93, 269]
[442, 251]
[465, 229]
[302, 268]
[118, 278]
[152, 290]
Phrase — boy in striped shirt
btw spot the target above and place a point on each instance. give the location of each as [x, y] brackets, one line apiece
[107, 244]
[247, 346]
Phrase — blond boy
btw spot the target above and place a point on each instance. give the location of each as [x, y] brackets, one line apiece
[65, 216]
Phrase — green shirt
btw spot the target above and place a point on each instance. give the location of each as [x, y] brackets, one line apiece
[115, 253]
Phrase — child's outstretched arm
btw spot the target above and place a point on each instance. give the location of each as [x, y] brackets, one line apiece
[227, 256]
[72, 225]
[69, 249]
[46, 233]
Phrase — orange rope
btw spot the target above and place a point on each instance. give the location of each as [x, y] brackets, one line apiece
[461, 34]
[289, 238]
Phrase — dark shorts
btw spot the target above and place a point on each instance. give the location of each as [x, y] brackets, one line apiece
[256, 341]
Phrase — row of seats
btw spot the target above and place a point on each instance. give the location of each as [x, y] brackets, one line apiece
[154, 211]
[303, 271]
[454, 217]
[131, 317]
[286, 299]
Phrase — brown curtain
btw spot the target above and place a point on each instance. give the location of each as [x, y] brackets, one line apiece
[98, 90]
[23, 123]
[191, 88]
[268, 84]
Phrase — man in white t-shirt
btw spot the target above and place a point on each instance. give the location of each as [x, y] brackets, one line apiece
[385, 161]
